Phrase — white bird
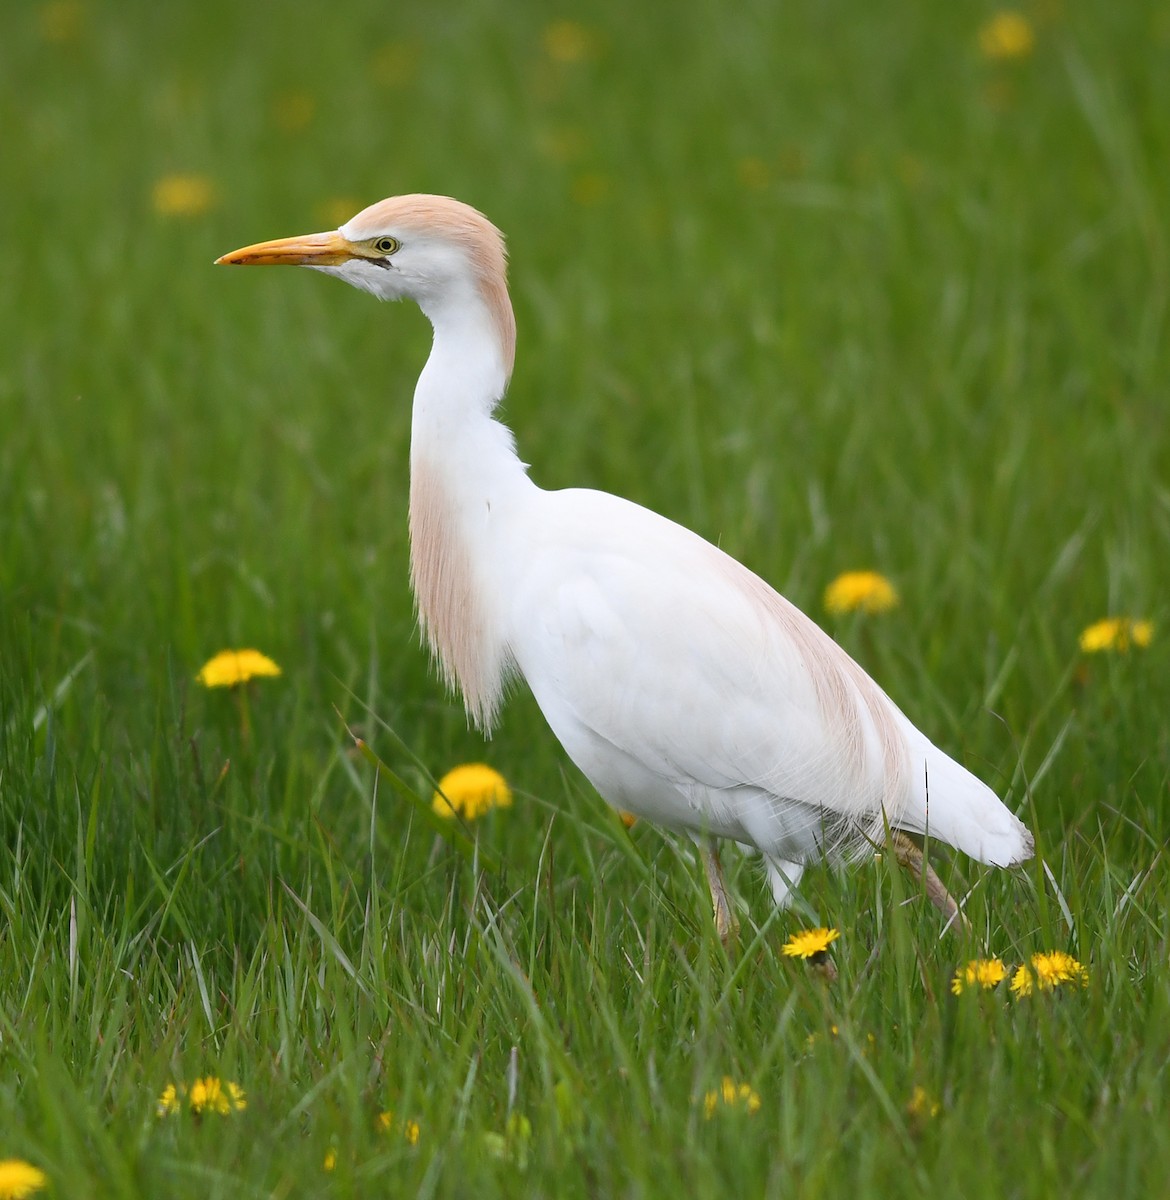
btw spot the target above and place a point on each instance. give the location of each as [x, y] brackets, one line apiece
[686, 689]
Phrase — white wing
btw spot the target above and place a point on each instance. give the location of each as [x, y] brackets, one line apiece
[691, 693]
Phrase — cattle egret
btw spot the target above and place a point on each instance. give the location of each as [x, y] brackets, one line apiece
[686, 689]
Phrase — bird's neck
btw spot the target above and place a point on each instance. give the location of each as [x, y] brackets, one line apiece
[473, 352]
[465, 479]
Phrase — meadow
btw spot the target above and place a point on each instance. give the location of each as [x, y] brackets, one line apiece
[839, 286]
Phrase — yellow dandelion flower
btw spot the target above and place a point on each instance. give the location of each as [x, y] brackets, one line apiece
[1006, 36]
[809, 943]
[330, 1159]
[207, 1095]
[471, 790]
[62, 21]
[729, 1094]
[569, 42]
[1048, 971]
[866, 591]
[410, 1129]
[627, 818]
[813, 1038]
[168, 1102]
[19, 1179]
[921, 1103]
[183, 195]
[1117, 633]
[978, 973]
[213, 1096]
[229, 668]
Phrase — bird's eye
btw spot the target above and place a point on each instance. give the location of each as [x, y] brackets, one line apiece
[385, 245]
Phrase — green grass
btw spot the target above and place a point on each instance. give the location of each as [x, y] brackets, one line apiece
[815, 280]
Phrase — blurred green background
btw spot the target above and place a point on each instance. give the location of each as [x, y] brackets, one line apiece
[838, 285]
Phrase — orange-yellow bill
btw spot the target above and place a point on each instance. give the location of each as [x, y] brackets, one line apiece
[309, 249]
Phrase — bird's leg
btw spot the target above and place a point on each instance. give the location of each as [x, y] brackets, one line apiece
[911, 858]
[726, 924]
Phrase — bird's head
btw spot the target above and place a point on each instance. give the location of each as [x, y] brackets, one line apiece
[407, 247]
[437, 251]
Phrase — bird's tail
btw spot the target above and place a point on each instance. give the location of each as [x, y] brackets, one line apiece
[949, 804]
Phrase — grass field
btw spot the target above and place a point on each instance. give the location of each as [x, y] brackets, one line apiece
[831, 284]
